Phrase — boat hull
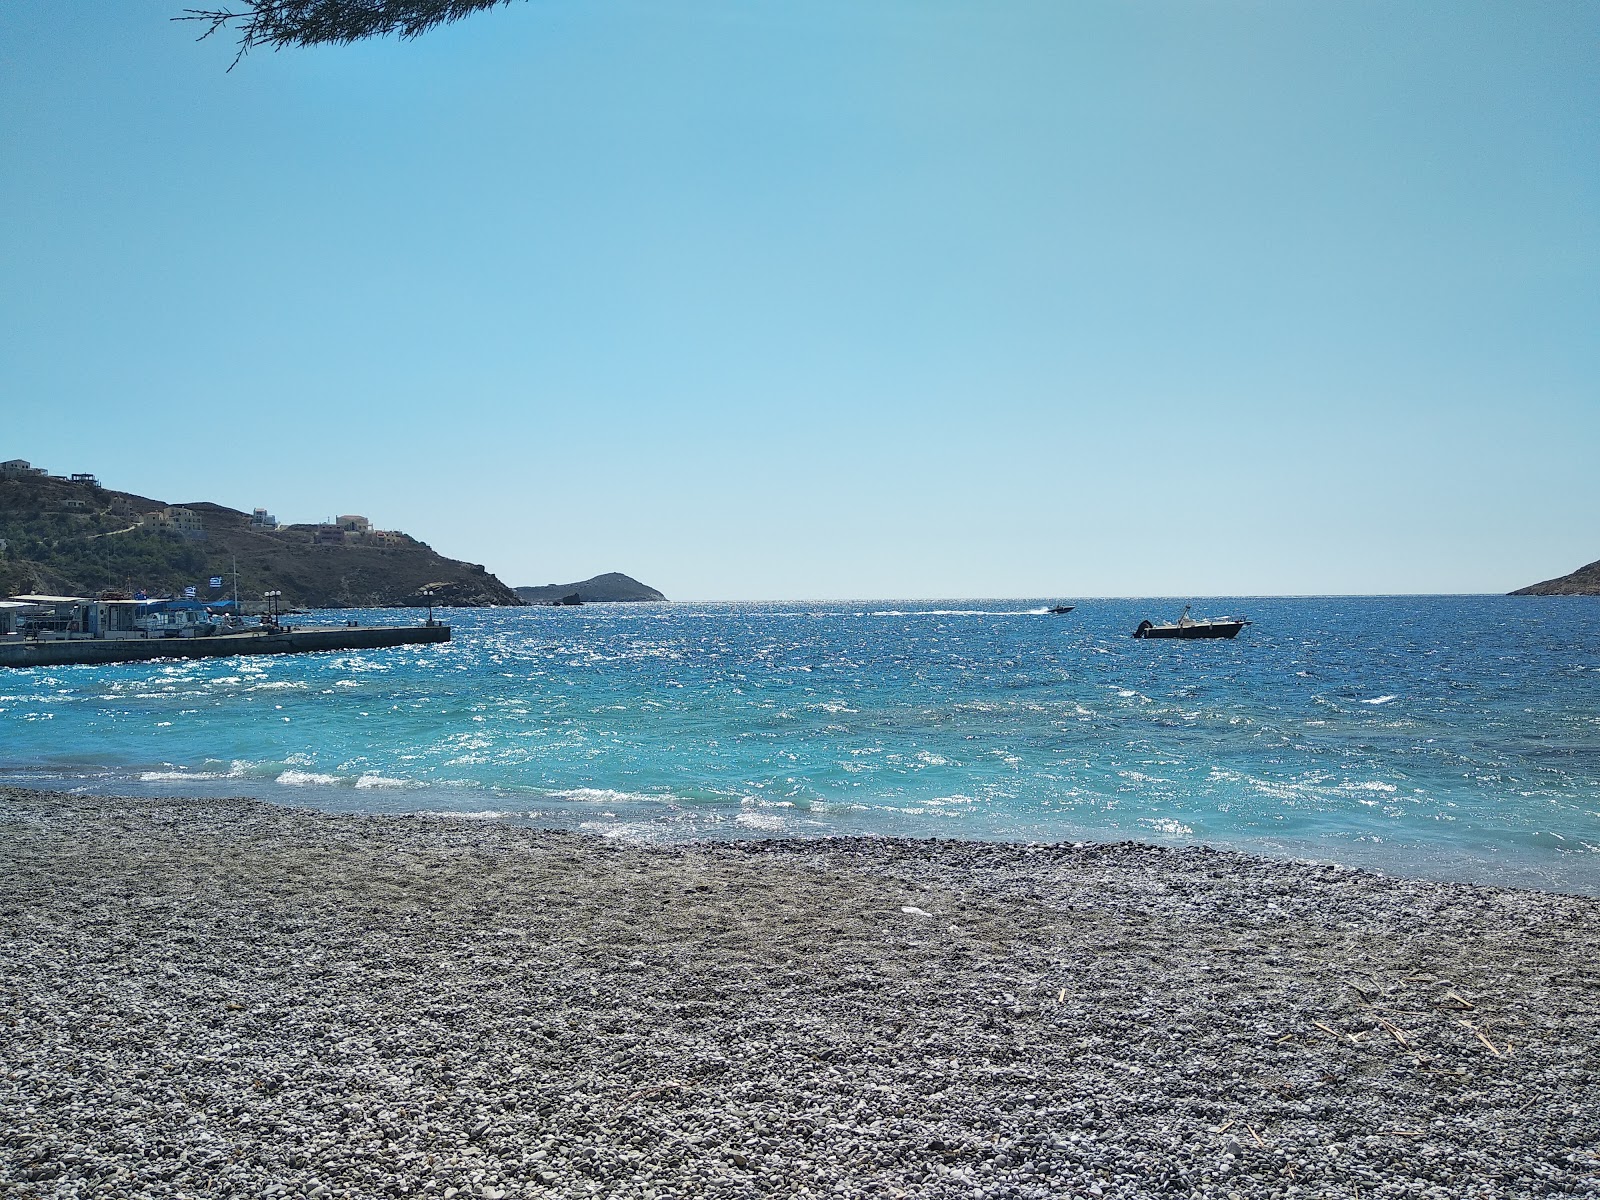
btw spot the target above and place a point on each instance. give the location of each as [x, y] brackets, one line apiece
[1198, 629]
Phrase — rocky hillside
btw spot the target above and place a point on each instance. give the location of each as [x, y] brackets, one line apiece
[611, 588]
[1585, 581]
[78, 538]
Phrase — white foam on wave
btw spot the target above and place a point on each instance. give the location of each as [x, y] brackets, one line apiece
[1286, 791]
[294, 778]
[1380, 700]
[586, 795]
[1141, 777]
[756, 820]
[1167, 825]
[373, 780]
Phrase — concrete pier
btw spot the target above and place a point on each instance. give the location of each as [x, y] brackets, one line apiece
[19, 653]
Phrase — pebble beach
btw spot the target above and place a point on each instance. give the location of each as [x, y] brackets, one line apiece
[234, 998]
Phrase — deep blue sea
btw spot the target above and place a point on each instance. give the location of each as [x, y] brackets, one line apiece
[1452, 737]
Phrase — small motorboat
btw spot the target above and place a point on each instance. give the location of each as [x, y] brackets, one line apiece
[1062, 608]
[1187, 627]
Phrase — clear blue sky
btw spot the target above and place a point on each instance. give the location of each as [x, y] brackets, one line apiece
[755, 299]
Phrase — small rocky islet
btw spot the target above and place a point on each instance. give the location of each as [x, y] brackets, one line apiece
[231, 998]
[1585, 581]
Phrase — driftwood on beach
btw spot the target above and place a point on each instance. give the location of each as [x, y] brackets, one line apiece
[231, 998]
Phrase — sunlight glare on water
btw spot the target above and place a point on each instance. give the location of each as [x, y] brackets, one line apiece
[1448, 736]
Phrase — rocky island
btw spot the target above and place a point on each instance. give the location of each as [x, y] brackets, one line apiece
[1585, 581]
[611, 588]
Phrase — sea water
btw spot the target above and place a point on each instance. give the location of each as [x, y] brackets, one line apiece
[1456, 737]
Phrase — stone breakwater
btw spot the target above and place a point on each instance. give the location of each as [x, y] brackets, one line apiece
[204, 998]
[98, 652]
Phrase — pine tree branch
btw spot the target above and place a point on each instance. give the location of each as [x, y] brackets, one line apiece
[281, 23]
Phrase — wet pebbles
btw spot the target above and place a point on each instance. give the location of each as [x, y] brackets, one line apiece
[227, 998]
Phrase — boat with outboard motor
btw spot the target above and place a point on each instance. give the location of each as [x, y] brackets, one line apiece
[1187, 627]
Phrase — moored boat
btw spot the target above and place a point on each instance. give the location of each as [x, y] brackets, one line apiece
[1187, 627]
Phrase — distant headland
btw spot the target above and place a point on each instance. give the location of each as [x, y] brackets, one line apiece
[1585, 581]
[69, 535]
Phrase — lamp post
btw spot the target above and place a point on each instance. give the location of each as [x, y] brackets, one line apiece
[272, 599]
[428, 592]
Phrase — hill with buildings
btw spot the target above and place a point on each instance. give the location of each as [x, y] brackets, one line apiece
[68, 535]
[1585, 581]
[611, 588]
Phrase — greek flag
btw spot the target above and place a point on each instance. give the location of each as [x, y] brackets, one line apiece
[188, 593]
[216, 581]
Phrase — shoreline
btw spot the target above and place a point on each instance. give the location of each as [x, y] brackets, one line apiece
[231, 997]
[638, 820]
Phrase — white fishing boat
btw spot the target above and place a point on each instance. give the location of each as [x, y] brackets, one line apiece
[1187, 627]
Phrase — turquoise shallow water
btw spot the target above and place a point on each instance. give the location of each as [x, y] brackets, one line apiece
[1457, 737]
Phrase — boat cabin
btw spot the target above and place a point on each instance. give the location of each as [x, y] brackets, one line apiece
[174, 618]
